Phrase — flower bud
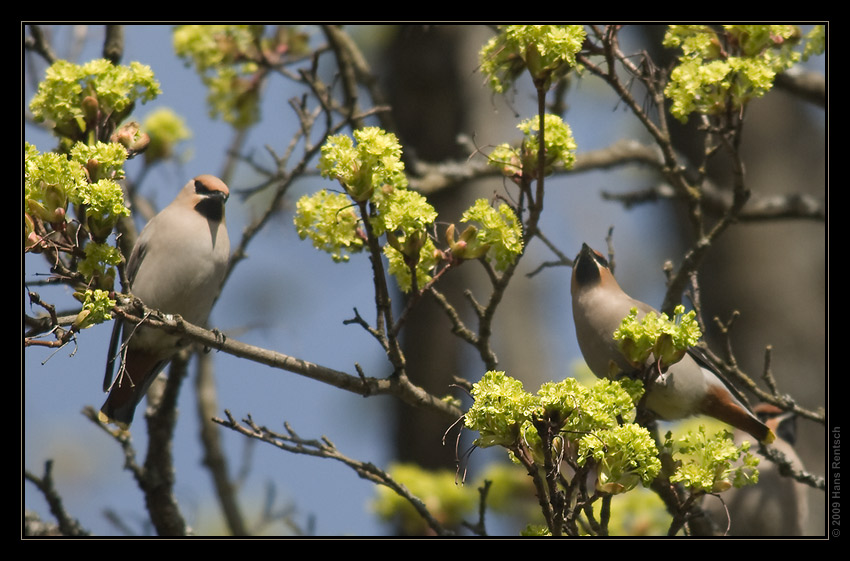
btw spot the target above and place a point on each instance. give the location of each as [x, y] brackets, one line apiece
[55, 197]
[31, 239]
[131, 138]
[465, 247]
[90, 108]
[392, 239]
[666, 350]
[91, 168]
[80, 320]
[100, 228]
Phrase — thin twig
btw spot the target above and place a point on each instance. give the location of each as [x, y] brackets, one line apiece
[324, 448]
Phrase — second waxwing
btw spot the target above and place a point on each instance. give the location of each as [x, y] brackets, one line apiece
[777, 505]
[688, 387]
[176, 267]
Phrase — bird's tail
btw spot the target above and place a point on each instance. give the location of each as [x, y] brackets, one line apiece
[737, 415]
[131, 384]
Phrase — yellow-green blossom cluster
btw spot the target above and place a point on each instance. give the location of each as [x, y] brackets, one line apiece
[98, 265]
[228, 58]
[625, 455]
[79, 99]
[213, 46]
[403, 215]
[222, 56]
[501, 408]
[101, 196]
[97, 307]
[85, 106]
[547, 51]
[598, 419]
[331, 222]
[166, 129]
[498, 234]
[815, 42]
[102, 160]
[369, 169]
[559, 144]
[51, 182]
[399, 265]
[710, 463]
[655, 336]
[364, 164]
[721, 71]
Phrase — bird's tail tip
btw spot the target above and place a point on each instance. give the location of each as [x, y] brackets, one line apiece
[769, 437]
[106, 419]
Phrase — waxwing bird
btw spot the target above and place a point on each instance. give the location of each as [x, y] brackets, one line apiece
[176, 267]
[688, 387]
[777, 505]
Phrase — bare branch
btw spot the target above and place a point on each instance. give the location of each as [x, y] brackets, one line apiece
[324, 448]
[68, 526]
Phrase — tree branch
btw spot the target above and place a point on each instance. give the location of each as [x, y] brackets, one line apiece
[324, 448]
[366, 386]
[68, 526]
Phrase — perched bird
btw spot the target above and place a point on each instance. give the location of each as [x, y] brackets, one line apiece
[176, 267]
[688, 387]
[778, 505]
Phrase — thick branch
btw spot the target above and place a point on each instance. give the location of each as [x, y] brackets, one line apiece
[215, 457]
[365, 386]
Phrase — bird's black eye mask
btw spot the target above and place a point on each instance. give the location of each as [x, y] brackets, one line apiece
[587, 266]
[203, 190]
[211, 206]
